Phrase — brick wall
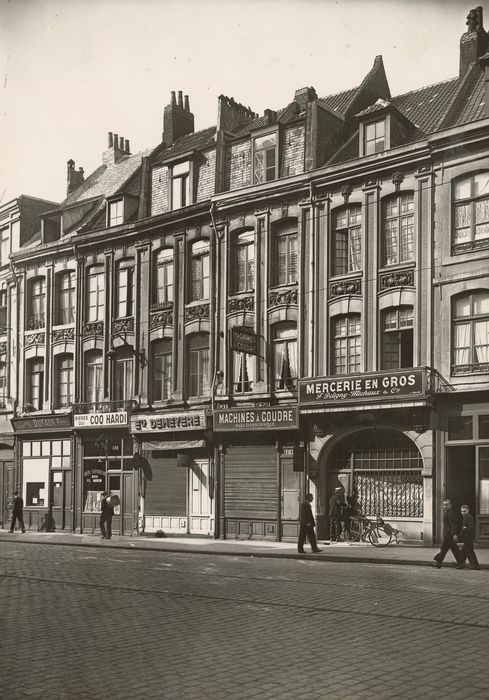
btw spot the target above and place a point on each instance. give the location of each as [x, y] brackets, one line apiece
[159, 190]
[238, 165]
[206, 177]
[292, 162]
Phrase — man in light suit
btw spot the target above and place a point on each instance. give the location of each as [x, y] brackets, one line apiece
[306, 526]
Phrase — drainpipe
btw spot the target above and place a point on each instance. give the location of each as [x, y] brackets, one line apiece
[16, 354]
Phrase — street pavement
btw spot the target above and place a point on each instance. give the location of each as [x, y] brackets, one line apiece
[97, 621]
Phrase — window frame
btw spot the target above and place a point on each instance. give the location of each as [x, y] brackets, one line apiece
[472, 366]
[196, 349]
[381, 139]
[118, 218]
[403, 240]
[91, 365]
[37, 303]
[70, 382]
[347, 243]
[397, 330]
[162, 385]
[3, 380]
[4, 245]
[357, 345]
[283, 275]
[3, 311]
[473, 243]
[124, 268]
[65, 291]
[31, 373]
[163, 261]
[265, 150]
[199, 256]
[287, 381]
[243, 241]
[95, 272]
[123, 376]
[185, 184]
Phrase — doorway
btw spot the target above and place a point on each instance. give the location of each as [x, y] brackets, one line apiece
[460, 481]
[60, 517]
[122, 485]
[201, 505]
[7, 484]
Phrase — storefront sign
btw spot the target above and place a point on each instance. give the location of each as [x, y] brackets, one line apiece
[244, 340]
[363, 387]
[283, 418]
[159, 422]
[97, 420]
[41, 423]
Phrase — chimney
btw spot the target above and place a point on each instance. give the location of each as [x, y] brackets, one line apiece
[74, 177]
[474, 42]
[178, 120]
[305, 95]
[232, 115]
[117, 147]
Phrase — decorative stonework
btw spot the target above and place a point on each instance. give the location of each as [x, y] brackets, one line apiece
[162, 306]
[345, 287]
[123, 325]
[93, 328]
[424, 169]
[346, 191]
[3, 348]
[371, 183]
[196, 313]
[397, 179]
[470, 246]
[285, 297]
[60, 335]
[241, 304]
[398, 278]
[162, 318]
[34, 339]
[284, 210]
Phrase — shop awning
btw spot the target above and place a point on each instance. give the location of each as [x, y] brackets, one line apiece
[176, 445]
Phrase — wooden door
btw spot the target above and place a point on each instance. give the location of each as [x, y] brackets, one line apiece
[201, 519]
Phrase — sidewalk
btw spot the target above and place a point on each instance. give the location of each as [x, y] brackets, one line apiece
[343, 552]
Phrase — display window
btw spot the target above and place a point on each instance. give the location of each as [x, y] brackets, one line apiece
[39, 457]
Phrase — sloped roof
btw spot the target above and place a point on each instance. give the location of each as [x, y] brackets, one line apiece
[341, 101]
[196, 141]
[427, 106]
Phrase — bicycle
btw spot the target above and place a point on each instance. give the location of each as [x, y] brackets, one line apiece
[378, 532]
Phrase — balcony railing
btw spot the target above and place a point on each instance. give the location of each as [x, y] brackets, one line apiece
[103, 407]
[36, 321]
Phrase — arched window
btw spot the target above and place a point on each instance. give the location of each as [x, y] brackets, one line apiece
[397, 337]
[243, 264]
[65, 297]
[398, 231]
[471, 213]
[285, 254]
[346, 344]
[163, 288]
[285, 364]
[347, 240]
[35, 382]
[200, 271]
[124, 291]
[94, 388]
[162, 370]
[198, 365]
[64, 381]
[470, 333]
[37, 303]
[95, 296]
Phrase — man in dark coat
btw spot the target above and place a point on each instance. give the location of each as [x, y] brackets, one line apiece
[17, 513]
[467, 536]
[449, 541]
[107, 511]
[335, 506]
[306, 526]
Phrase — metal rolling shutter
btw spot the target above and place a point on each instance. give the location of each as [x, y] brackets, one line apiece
[250, 481]
[166, 494]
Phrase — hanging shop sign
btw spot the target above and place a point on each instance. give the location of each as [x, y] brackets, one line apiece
[363, 387]
[244, 340]
[41, 423]
[99, 420]
[271, 418]
[160, 422]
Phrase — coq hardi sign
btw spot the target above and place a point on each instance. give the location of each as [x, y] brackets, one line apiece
[361, 387]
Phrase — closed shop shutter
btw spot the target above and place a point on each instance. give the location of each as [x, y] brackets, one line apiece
[250, 481]
[166, 494]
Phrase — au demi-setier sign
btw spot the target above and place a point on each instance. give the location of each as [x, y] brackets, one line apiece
[269, 418]
[371, 386]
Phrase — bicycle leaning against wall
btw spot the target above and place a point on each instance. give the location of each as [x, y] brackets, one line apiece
[377, 532]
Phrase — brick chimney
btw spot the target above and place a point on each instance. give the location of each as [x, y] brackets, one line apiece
[474, 42]
[232, 115]
[178, 120]
[74, 177]
[305, 95]
[117, 147]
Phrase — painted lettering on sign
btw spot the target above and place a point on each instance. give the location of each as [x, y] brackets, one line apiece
[168, 421]
[386, 385]
[256, 419]
[95, 420]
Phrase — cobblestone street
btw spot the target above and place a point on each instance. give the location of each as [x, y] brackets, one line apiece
[91, 623]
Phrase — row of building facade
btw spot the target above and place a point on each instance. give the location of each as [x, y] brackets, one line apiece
[274, 305]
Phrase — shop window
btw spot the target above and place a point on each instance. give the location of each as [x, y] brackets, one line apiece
[484, 480]
[243, 252]
[95, 294]
[124, 288]
[123, 379]
[346, 340]
[198, 365]
[374, 137]
[460, 428]
[347, 240]
[116, 213]
[35, 477]
[484, 427]
[3, 382]
[265, 158]
[471, 213]
[94, 388]
[65, 297]
[470, 333]
[398, 232]
[64, 380]
[3, 311]
[94, 485]
[200, 271]
[397, 338]
[163, 290]
[285, 256]
[180, 185]
[285, 364]
[37, 304]
[162, 370]
[35, 383]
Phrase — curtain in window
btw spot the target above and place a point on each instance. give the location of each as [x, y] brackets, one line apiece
[461, 355]
[237, 367]
[292, 357]
[279, 364]
[481, 329]
[355, 249]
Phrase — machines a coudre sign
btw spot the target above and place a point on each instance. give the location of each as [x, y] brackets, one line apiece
[270, 418]
[361, 387]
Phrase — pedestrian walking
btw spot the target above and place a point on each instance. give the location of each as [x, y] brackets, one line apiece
[467, 537]
[107, 511]
[18, 512]
[450, 538]
[335, 505]
[307, 525]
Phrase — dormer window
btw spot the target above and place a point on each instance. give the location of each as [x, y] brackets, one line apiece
[374, 137]
[180, 185]
[116, 213]
[265, 159]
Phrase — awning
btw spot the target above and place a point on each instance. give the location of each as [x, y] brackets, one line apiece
[176, 445]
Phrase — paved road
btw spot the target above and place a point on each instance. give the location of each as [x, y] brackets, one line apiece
[80, 622]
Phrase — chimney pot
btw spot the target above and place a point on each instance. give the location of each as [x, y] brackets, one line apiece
[116, 140]
[173, 100]
[180, 103]
[110, 142]
[186, 105]
[127, 150]
[121, 143]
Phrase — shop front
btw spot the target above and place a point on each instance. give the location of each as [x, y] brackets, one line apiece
[177, 472]
[261, 472]
[43, 454]
[7, 473]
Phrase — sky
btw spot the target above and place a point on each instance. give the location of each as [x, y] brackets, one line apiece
[73, 70]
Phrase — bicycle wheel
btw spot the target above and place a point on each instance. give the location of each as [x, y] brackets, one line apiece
[379, 537]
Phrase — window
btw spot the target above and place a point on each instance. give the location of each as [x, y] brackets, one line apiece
[243, 370]
[94, 388]
[180, 185]
[37, 316]
[398, 242]
[460, 428]
[484, 480]
[3, 381]
[35, 383]
[66, 297]
[123, 379]
[244, 262]
[4, 246]
[164, 278]
[3, 311]
[162, 370]
[471, 213]
[65, 381]
[198, 365]
[470, 333]
[200, 271]
[346, 344]
[285, 365]
[124, 289]
[116, 213]
[347, 240]
[265, 159]
[95, 294]
[397, 338]
[285, 261]
[374, 137]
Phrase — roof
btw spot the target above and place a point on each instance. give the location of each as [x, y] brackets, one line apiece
[341, 101]
[190, 142]
[426, 106]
